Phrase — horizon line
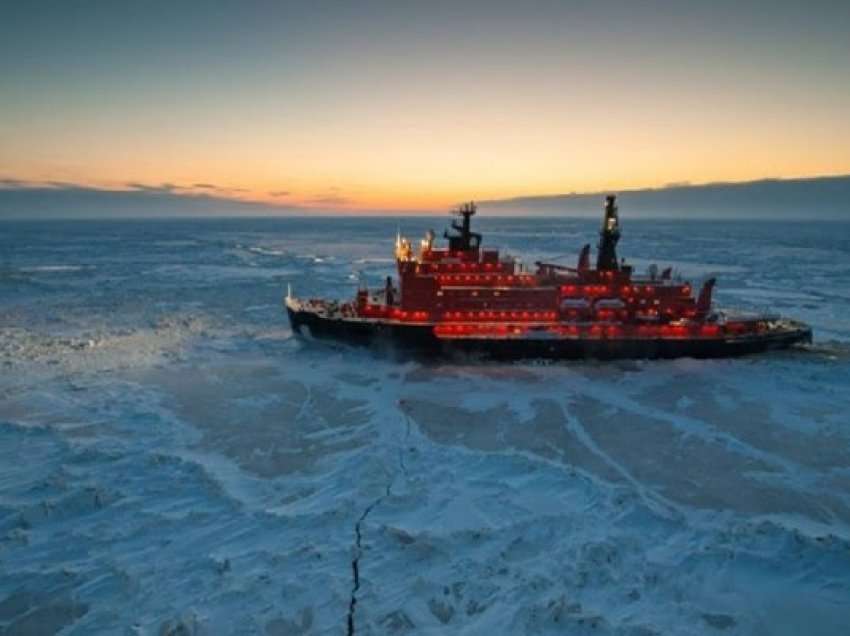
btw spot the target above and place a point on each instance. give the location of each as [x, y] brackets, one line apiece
[224, 194]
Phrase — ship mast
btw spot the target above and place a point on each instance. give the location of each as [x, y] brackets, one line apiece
[466, 239]
[606, 258]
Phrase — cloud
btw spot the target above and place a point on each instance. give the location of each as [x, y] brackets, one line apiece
[215, 188]
[172, 188]
[143, 187]
[65, 184]
[330, 200]
[279, 193]
[763, 199]
[332, 196]
[48, 200]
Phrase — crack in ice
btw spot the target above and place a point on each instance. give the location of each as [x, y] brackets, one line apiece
[355, 562]
[358, 534]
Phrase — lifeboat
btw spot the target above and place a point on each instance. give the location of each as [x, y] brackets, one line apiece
[464, 298]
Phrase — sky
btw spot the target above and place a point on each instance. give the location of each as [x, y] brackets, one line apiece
[418, 105]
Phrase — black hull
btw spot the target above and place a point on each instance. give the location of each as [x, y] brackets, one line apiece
[420, 340]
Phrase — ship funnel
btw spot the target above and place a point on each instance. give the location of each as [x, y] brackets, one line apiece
[704, 300]
[584, 258]
[606, 258]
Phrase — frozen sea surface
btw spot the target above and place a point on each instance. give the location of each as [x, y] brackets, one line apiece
[173, 461]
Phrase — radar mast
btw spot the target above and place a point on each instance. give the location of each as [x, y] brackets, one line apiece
[465, 239]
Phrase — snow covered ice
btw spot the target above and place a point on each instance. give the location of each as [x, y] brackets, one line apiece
[173, 461]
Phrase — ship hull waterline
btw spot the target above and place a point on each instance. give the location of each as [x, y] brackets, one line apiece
[420, 340]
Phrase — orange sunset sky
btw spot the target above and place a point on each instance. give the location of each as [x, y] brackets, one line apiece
[400, 106]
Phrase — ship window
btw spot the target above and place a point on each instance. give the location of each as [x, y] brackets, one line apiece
[495, 293]
[475, 293]
[439, 292]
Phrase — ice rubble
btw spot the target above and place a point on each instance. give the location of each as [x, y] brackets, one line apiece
[172, 461]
